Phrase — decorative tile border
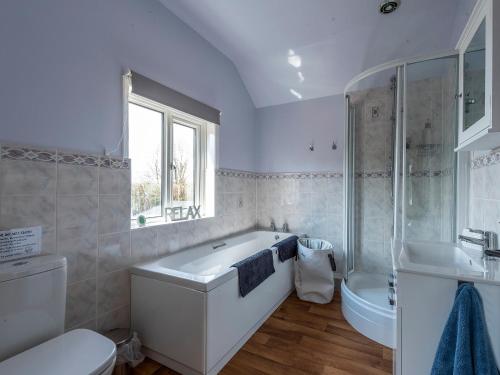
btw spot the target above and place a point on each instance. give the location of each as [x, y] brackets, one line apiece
[107, 162]
[422, 173]
[276, 175]
[78, 159]
[374, 174]
[30, 154]
[317, 175]
[12, 152]
[235, 173]
[429, 173]
[487, 160]
[299, 175]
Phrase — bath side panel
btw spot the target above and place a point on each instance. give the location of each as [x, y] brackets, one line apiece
[231, 316]
[170, 319]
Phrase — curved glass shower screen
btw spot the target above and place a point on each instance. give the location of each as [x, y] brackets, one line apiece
[400, 173]
[400, 162]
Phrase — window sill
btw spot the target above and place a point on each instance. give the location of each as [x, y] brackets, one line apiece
[155, 222]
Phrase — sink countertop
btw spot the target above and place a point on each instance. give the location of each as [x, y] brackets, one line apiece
[445, 260]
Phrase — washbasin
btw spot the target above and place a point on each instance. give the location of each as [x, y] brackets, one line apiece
[440, 255]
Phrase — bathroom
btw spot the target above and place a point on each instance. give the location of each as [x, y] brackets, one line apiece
[147, 147]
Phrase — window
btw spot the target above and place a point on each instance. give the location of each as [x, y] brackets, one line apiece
[146, 133]
[173, 162]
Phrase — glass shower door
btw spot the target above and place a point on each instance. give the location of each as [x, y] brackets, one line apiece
[371, 109]
[429, 158]
[349, 183]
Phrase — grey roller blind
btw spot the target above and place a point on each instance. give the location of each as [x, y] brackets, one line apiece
[153, 90]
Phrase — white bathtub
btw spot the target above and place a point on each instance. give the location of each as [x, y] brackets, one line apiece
[187, 308]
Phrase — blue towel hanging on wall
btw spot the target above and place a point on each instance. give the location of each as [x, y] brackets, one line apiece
[465, 347]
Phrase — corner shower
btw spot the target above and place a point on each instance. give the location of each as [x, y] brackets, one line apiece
[400, 178]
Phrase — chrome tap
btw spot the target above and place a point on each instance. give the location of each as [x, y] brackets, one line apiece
[273, 226]
[284, 228]
[488, 240]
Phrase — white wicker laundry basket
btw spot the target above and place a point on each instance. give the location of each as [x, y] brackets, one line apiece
[314, 270]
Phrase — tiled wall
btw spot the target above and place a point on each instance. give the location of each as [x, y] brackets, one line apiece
[82, 203]
[310, 203]
[484, 193]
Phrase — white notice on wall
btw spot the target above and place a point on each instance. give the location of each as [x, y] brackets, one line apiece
[20, 243]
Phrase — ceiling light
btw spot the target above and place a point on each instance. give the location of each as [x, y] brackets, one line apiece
[296, 94]
[301, 77]
[295, 61]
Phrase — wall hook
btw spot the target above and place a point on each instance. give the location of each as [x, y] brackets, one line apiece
[311, 146]
[334, 145]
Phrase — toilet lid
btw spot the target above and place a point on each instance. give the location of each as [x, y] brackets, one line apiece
[77, 352]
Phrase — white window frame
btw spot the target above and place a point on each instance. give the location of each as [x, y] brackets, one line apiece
[171, 116]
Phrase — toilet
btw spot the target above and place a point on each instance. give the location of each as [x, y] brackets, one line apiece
[32, 313]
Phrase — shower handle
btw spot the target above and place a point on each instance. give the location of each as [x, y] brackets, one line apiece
[410, 185]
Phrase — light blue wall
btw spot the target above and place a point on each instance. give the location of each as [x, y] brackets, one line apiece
[285, 131]
[62, 60]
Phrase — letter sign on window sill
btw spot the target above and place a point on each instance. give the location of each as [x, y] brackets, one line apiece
[20, 243]
[182, 213]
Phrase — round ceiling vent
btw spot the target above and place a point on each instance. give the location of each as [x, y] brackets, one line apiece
[389, 6]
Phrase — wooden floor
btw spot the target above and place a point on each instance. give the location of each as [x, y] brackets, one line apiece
[302, 338]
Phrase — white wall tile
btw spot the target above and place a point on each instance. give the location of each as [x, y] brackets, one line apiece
[77, 180]
[118, 318]
[114, 181]
[22, 177]
[114, 252]
[114, 213]
[77, 212]
[144, 244]
[81, 303]
[80, 252]
[113, 291]
[484, 200]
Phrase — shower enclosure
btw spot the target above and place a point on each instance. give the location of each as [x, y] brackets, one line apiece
[400, 178]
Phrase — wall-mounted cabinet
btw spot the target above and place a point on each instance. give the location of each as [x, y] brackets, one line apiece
[479, 95]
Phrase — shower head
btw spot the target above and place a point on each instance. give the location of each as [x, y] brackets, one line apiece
[389, 6]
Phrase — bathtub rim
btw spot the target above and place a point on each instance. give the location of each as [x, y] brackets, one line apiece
[184, 279]
[202, 283]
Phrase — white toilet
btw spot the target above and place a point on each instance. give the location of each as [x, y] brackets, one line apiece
[32, 312]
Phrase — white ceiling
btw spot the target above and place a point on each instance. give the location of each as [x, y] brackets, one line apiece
[335, 39]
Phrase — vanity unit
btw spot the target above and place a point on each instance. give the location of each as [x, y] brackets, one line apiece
[479, 71]
[427, 277]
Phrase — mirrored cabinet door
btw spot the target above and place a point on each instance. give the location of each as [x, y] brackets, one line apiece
[479, 94]
[474, 79]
